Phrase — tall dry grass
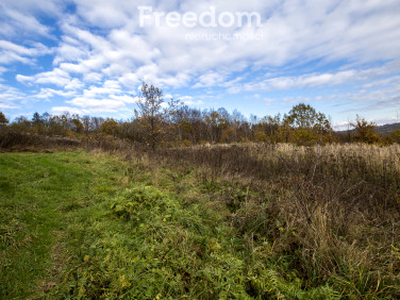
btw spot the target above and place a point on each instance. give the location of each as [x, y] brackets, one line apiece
[330, 214]
[334, 212]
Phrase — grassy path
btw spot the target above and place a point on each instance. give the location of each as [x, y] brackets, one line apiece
[39, 194]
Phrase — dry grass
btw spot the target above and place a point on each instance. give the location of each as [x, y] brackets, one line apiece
[330, 216]
[339, 225]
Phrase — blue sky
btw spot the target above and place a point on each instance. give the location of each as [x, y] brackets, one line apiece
[90, 56]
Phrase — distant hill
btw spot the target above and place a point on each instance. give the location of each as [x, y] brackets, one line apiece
[387, 128]
[381, 130]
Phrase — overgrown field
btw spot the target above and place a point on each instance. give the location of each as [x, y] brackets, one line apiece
[260, 221]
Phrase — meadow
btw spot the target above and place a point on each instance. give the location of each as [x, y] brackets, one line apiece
[248, 221]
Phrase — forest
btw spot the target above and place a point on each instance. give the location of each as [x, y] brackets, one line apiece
[158, 123]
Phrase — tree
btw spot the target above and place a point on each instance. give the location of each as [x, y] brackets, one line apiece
[149, 113]
[365, 132]
[184, 124]
[86, 124]
[310, 125]
[127, 130]
[3, 119]
[21, 125]
[393, 137]
[46, 117]
[236, 122]
[216, 124]
[37, 119]
[285, 131]
[77, 125]
[304, 116]
[96, 123]
[170, 128]
[109, 127]
[267, 129]
[56, 126]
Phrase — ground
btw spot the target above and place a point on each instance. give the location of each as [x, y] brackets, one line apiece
[91, 225]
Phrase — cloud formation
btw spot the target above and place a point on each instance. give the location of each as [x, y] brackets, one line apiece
[91, 55]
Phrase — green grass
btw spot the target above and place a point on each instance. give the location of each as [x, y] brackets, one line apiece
[76, 225]
[40, 193]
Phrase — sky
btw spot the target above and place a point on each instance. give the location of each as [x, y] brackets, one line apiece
[90, 57]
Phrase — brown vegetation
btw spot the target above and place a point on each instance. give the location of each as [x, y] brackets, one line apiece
[329, 213]
[341, 221]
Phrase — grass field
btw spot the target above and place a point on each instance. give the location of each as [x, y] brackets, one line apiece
[43, 196]
[185, 224]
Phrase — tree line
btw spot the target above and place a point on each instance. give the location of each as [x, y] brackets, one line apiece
[160, 123]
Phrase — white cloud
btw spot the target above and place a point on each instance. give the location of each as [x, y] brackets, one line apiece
[73, 68]
[102, 53]
[313, 80]
[190, 101]
[10, 52]
[56, 77]
[128, 99]
[72, 110]
[184, 98]
[10, 98]
[53, 7]
[95, 106]
[19, 23]
[5, 106]
[48, 93]
[341, 126]
[194, 103]
[268, 101]
[209, 79]
[104, 13]
[109, 97]
[297, 30]
[92, 77]
[70, 49]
